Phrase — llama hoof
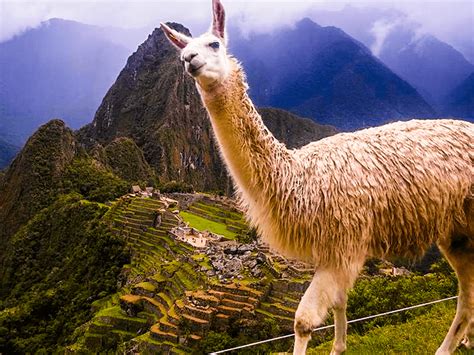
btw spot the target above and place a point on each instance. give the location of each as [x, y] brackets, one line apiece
[467, 343]
[338, 349]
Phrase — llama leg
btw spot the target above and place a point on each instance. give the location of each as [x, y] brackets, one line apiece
[468, 341]
[460, 254]
[340, 325]
[323, 293]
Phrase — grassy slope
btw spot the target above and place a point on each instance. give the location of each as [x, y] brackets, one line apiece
[203, 224]
[421, 335]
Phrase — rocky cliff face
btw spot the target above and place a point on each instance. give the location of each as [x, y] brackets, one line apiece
[157, 105]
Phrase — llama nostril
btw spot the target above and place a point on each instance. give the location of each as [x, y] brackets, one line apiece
[190, 56]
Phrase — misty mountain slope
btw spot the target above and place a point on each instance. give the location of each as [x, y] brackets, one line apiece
[460, 102]
[433, 67]
[60, 69]
[322, 73]
[356, 21]
[429, 64]
[154, 102]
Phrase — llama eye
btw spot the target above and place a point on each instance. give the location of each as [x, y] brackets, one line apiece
[214, 45]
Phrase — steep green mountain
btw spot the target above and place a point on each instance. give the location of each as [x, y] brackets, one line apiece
[126, 160]
[32, 180]
[53, 163]
[156, 104]
[55, 267]
[294, 130]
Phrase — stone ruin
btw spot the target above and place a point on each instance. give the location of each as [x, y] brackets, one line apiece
[194, 237]
[149, 191]
[231, 260]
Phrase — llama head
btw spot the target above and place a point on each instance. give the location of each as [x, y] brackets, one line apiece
[205, 57]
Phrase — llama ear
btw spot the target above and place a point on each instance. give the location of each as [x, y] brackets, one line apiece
[177, 39]
[218, 19]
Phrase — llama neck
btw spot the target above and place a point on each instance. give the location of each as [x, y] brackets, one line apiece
[252, 154]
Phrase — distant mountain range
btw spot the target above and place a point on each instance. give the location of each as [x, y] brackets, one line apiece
[60, 69]
[460, 102]
[430, 65]
[64, 68]
[323, 73]
[433, 67]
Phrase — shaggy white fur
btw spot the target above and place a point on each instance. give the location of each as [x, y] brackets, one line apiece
[390, 190]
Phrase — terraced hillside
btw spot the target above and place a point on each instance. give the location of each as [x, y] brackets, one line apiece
[177, 298]
[215, 215]
[173, 294]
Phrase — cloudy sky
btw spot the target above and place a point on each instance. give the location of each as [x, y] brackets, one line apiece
[449, 20]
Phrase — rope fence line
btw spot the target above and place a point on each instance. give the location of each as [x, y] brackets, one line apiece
[332, 325]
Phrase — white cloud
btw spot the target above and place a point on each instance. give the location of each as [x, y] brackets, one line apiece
[381, 29]
[449, 20]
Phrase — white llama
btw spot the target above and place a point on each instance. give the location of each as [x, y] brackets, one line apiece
[391, 190]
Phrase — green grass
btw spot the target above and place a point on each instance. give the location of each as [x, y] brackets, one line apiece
[116, 312]
[421, 335]
[203, 224]
[159, 277]
[219, 212]
[203, 260]
[146, 286]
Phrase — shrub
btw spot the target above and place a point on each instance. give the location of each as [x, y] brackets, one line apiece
[176, 186]
[95, 183]
[55, 267]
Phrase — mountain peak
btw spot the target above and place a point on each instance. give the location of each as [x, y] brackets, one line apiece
[307, 24]
[34, 173]
[60, 23]
[323, 73]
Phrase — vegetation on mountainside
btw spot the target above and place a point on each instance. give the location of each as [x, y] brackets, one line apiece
[176, 186]
[56, 266]
[370, 296]
[126, 160]
[31, 182]
[94, 182]
[420, 335]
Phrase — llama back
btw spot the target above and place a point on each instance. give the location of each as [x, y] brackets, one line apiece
[391, 190]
